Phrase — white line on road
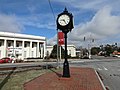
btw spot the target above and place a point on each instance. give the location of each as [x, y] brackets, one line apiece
[105, 68]
[99, 69]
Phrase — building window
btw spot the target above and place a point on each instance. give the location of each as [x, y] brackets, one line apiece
[32, 45]
[9, 44]
[70, 52]
[25, 45]
[47, 53]
[17, 45]
[0, 44]
[17, 55]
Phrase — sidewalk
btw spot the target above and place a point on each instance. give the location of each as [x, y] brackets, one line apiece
[81, 79]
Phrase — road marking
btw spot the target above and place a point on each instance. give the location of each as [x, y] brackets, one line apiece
[99, 69]
[105, 68]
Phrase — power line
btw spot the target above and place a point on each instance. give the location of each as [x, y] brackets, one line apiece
[51, 8]
[57, 32]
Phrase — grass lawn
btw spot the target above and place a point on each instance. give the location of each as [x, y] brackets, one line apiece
[16, 80]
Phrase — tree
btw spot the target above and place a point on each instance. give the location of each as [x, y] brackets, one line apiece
[108, 49]
[95, 50]
[119, 49]
[54, 52]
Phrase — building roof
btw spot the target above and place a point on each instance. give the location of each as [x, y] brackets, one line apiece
[16, 35]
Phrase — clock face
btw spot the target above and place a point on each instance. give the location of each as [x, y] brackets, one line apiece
[63, 20]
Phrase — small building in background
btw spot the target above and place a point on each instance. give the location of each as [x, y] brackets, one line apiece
[71, 50]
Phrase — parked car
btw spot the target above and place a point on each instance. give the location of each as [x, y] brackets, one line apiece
[6, 60]
[118, 55]
[1, 61]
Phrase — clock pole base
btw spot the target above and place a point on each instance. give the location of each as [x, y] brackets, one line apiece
[66, 71]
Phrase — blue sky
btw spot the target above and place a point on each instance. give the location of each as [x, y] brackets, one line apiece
[98, 19]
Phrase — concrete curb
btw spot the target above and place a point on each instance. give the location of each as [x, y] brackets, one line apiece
[100, 81]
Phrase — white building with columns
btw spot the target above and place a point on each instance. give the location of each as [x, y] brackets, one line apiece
[22, 46]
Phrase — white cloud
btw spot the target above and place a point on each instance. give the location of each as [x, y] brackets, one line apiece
[102, 26]
[91, 4]
[52, 41]
[38, 21]
[9, 23]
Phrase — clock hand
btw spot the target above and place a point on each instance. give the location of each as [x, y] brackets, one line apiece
[64, 21]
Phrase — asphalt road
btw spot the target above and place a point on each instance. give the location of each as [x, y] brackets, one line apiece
[108, 69]
[110, 72]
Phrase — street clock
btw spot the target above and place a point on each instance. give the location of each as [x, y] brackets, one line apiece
[65, 21]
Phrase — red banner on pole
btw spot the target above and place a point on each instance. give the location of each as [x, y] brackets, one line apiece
[60, 38]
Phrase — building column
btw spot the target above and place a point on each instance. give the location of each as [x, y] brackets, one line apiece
[23, 50]
[30, 49]
[41, 50]
[44, 50]
[5, 48]
[38, 50]
[14, 48]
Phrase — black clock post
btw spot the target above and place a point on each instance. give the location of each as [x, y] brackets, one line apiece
[66, 71]
[65, 23]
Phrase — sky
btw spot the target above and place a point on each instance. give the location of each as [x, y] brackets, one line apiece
[93, 19]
